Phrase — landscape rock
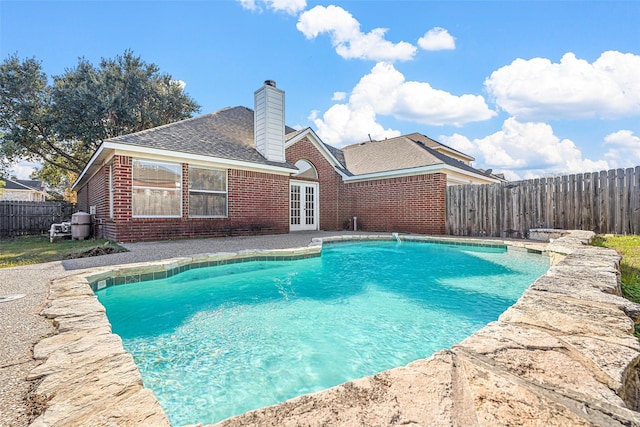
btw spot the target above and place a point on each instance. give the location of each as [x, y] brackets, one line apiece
[50, 344]
[76, 306]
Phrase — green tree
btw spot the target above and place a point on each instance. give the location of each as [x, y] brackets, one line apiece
[62, 124]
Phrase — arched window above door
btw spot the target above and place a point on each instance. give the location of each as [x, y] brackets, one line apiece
[306, 170]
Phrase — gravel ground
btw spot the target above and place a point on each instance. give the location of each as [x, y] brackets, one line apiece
[21, 326]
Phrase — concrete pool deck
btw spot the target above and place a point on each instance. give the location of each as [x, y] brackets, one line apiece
[564, 354]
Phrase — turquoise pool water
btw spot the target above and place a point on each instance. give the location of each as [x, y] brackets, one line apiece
[219, 341]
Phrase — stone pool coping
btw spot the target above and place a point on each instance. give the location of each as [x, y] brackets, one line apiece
[563, 354]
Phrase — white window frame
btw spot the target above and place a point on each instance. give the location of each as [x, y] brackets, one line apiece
[178, 188]
[225, 192]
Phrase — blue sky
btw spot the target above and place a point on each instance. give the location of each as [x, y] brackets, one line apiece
[529, 88]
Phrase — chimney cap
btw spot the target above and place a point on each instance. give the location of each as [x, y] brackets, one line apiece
[271, 83]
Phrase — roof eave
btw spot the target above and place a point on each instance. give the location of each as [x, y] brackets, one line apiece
[421, 170]
[187, 157]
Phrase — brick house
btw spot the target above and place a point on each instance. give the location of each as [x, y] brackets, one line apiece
[237, 172]
[25, 190]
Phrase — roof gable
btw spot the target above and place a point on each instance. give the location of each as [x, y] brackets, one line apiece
[333, 155]
[403, 153]
[387, 155]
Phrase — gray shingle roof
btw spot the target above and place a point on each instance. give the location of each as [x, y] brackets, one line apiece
[432, 143]
[339, 156]
[23, 184]
[402, 152]
[227, 133]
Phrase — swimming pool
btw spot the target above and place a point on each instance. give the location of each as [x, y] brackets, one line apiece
[215, 342]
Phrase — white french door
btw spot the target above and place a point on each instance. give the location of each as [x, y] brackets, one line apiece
[303, 206]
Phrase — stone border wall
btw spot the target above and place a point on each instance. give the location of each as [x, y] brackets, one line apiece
[564, 354]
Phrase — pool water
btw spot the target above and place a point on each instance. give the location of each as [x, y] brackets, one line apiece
[219, 341]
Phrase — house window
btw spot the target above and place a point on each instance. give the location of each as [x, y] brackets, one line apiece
[207, 192]
[156, 189]
[306, 170]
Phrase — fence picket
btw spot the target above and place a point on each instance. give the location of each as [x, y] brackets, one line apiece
[18, 218]
[605, 202]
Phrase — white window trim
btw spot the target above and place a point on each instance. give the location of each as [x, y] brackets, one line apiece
[225, 192]
[179, 188]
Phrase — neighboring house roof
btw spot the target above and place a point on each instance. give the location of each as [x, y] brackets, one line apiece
[22, 189]
[24, 185]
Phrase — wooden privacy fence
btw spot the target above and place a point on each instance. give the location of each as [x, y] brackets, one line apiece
[18, 218]
[604, 202]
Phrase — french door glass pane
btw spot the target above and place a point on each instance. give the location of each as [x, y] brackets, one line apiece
[295, 205]
[309, 206]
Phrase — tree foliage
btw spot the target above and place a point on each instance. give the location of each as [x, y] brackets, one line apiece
[62, 123]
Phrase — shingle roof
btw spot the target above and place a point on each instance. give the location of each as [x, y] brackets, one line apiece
[402, 152]
[339, 156]
[455, 162]
[23, 184]
[387, 155]
[432, 143]
[227, 133]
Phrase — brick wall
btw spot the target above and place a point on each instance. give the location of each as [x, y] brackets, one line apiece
[258, 203]
[407, 204]
[259, 200]
[413, 204]
[95, 193]
[331, 182]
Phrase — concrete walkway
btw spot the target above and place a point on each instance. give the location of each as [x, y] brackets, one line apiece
[21, 325]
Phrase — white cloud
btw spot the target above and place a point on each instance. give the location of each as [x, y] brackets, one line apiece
[292, 7]
[23, 169]
[525, 150]
[342, 124]
[249, 5]
[384, 91]
[339, 96]
[347, 38]
[539, 89]
[624, 149]
[437, 39]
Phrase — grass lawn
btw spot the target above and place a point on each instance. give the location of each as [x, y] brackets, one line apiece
[37, 249]
[629, 248]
